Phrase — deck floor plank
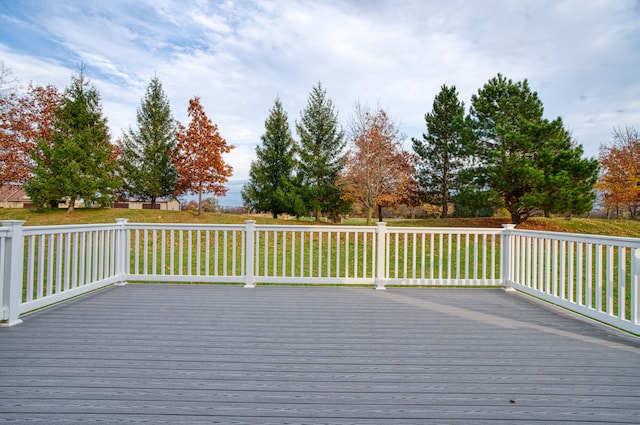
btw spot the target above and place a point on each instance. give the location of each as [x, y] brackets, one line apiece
[178, 354]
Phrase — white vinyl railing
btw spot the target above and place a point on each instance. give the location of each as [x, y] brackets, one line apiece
[315, 254]
[47, 264]
[594, 276]
[443, 256]
[597, 276]
[180, 252]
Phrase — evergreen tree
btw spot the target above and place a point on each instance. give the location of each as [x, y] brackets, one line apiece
[272, 186]
[442, 150]
[321, 155]
[147, 169]
[78, 162]
[527, 160]
[569, 178]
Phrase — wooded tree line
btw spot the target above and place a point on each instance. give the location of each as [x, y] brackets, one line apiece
[501, 154]
[57, 146]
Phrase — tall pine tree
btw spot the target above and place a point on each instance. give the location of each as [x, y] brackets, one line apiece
[443, 149]
[271, 186]
[530, 162]
[78, 162]
[147, 169]
[321, 155]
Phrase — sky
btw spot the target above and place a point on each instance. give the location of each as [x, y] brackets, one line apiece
[582, 58]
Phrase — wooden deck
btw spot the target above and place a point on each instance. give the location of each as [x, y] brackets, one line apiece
[191, 354]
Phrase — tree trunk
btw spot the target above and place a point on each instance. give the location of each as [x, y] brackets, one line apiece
[380, 213]
[445, 205]
[369, 214]
[516, 218]
[200, 202]
[275, 216]
[317, 215]
[72, 205]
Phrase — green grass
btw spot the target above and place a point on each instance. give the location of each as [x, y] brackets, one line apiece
[626, 228]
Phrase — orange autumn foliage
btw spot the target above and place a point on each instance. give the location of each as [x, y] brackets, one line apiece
[198, 157]
[24, 120]
[620, 176]
[378, 171]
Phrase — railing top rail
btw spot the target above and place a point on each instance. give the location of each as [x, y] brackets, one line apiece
[446, 230]
[576, 237]
[315, 228]
[37, 230]
[178, 226]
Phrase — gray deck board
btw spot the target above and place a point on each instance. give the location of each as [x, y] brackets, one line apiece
[314, 355]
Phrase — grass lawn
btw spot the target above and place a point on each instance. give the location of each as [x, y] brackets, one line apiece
[627, 228]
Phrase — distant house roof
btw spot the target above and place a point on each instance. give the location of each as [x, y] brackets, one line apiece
[13, 194]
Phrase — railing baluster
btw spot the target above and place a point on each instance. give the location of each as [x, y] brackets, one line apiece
[50, 263]
[589, 276]
[198, 248]
[225, 249]
[423, 252]
[355, 255]
[363, 247]
[466, 257]
[59, 263]
[40, 272]
[172, 252]
[571, 272]
[405, 254]
[181, 252]
[329, 248]
[580, 274]
[216, 255]
[293, 253]
[598, 282]
[622, 282]
[302, 259]
[163, 252]
[441, 255]
[414, 258]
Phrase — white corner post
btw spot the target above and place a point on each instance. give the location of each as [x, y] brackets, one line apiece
[506, 256]
[381, 255]
[250, 243]
[122, 251]
[11, 285]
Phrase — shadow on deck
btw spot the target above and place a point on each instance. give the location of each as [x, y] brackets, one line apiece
[316, 355]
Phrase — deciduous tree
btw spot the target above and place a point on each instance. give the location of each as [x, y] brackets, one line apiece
[271, 185]
[78, 161]
[620, 177]
[147, 168]
[23, 120]
[443, 150]
[198, 157]
[378, 171]
[321, 155]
